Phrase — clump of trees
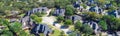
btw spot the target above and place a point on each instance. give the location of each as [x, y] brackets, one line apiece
[86, 29]
[62, 33]
[113, 23]
[105, 21]
[78, 25]
[67, 22]
[91, 16]
[83, 28]
[12, 29]
[60, 18]
[103, 25]
[69, 10]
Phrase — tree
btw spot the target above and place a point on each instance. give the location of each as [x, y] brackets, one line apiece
[16, 26]
[62, 33]
[7, 33]
[7, 24]
[23, 33]
[103, 25]
[69, 10]
[72, 1]
[84, 6]
[92, 16]
[50, 4]
[68, 22]
[118, 25]
[112, 22]
[60, 18]
[78, 25]
[33, 16]
[86, 29]
[74, 33]
[102, 2]
[12, 29]
[62, 3]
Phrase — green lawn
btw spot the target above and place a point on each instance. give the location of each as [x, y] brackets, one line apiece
[56, 33]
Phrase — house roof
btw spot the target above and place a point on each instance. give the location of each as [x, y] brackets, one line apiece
[40, 9]
[41, 28]
[114, 13]
[92, 9]
[108, 5]
[118, 10]
[89, 2]
[76, 17]
[96, 9]
[59, 12]
[34, 10]
[76, 4]
[26, 22]
[92, 24]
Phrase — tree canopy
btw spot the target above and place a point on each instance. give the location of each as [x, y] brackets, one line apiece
[103, 25]
[68, 22]
[69, 10]
[86, 29]
[78, 25]
[60, 18]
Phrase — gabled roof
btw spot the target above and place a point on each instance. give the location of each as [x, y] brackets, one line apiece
[59, 12]
[41, 28]
[76, 4]
[94, 26]
[96, 9]
[89, 2]
[92, 9]
[114, 13]
[34, 10]
[108, 5]
[40, 9]
[118, 11]
[26, 22]
[76, 17]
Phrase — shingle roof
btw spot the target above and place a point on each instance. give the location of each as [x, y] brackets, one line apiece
[59, 12]
[114, 13]
[96, 9]
[76, 17]
[41, 28]
[76, 4]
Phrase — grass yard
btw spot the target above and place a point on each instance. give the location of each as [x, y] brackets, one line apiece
[56, 32]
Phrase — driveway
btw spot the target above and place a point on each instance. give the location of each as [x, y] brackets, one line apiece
[50, 21]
